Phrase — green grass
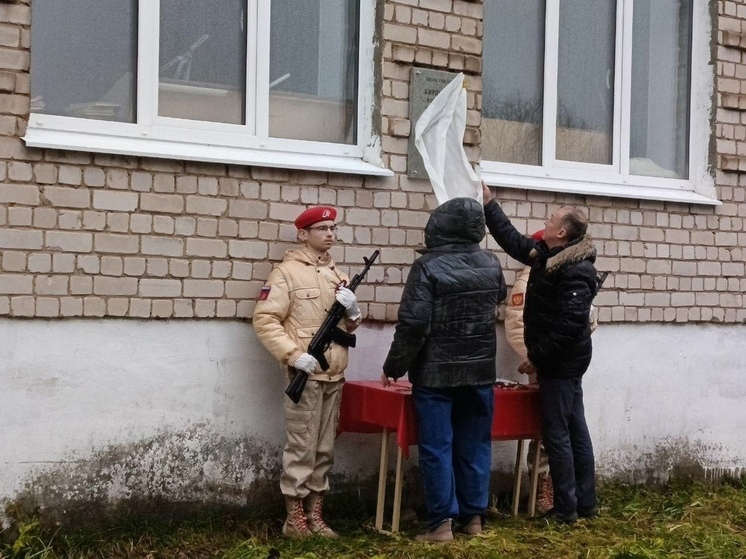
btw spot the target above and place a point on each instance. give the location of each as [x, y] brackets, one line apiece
[680, 520]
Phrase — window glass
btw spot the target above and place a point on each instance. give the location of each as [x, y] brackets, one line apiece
[72, 74]
[202, 72]
[661, 66]
[585, 81]
[314, 70]
[513, 81]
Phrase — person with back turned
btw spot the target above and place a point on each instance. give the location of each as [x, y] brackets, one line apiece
[557, 333]
[292, 305]
[446, 341]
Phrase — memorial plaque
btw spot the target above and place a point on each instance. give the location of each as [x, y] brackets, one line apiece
[424, 86]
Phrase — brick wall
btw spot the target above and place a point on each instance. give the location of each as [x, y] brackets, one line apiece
[99, 235]
[720, 241]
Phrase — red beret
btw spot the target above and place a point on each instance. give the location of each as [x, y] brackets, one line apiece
[539, 235]
[314, 215]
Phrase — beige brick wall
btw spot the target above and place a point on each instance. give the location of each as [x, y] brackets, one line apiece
[98, 235]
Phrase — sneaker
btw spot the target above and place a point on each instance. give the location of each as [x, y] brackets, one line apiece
[442, 534]
[588, 513]
[561, 518]
[474, 526]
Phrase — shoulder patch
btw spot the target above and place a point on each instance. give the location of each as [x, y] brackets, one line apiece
[264, 293]
[516, 300]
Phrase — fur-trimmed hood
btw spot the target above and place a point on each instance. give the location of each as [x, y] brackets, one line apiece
[580, 249]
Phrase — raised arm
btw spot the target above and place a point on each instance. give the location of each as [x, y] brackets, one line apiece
[516, 244]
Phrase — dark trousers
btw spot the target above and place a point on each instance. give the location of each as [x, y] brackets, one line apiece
[568, 444]
[455, 449]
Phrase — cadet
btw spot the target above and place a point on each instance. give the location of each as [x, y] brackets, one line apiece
[292, 306]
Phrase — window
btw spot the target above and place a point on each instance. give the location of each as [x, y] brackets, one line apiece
[269, 82]
[608, 97]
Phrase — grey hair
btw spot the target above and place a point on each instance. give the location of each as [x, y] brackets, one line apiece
[575, 223]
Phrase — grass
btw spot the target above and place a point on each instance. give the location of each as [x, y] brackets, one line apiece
[679, 520]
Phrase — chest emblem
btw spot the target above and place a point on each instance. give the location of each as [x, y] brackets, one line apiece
[516, 300]
[264, 293]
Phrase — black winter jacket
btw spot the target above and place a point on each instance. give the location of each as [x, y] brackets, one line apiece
[561, 287]
[446, 331]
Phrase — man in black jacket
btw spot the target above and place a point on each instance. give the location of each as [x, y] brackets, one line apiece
[446, 340]
[560, 289]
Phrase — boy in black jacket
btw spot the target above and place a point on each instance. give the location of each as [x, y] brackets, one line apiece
[446, 340]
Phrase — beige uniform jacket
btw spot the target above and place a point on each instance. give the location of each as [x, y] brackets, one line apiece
[514, 313]
[293, 305]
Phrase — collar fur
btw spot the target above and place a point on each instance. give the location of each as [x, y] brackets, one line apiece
[574, 252]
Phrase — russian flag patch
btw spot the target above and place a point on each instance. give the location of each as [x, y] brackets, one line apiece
[517, 300]
[264, 293]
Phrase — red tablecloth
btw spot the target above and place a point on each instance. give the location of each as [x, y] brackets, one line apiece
[368, 407]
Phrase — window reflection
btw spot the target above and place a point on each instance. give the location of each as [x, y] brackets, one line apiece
[513, 81]
[585, 82]
[661, 67]
[314, 70]
[203, 60]
[72, 74]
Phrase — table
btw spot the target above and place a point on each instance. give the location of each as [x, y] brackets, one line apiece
[369, 407]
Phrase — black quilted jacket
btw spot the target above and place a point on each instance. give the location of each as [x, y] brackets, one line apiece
[446, 331]
[561, 287]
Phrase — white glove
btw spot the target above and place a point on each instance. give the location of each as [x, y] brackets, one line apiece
[348, 300]
[306, 363]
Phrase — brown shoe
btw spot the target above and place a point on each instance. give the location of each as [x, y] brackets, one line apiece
[474, 526]
[545, 494]
[316, 524]
[296, 525]
[442, 534]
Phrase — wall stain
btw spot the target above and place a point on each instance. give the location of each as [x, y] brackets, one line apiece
[162, 475]
[197, 471]
[670, 458]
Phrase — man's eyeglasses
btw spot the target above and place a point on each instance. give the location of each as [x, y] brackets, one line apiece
[323, 228]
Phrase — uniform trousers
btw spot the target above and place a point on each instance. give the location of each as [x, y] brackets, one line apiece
[311, 427]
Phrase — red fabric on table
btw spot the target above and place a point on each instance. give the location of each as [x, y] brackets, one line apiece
[368, 407]
[517, 414]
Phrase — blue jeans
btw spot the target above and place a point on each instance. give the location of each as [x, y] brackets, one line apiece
[568, 444]
[455, 450]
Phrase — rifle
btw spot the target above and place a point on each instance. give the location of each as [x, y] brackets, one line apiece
[600, 280]
[327, 334]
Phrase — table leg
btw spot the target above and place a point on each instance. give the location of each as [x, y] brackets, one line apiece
[534, 478]
[397, 493]
[382, 478]
[517, 477]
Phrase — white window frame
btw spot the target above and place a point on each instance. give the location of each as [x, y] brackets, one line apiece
[248, 144]
[615, 180]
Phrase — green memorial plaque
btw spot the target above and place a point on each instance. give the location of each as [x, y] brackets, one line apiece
[424, 86]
